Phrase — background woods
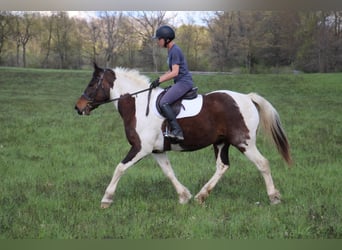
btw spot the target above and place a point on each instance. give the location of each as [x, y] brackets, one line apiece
[247, 41]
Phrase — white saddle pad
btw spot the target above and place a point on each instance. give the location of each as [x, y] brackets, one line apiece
[189, 107]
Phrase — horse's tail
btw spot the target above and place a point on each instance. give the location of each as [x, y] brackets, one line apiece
[271, 124]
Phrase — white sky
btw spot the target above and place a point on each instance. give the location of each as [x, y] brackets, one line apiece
[181, 16]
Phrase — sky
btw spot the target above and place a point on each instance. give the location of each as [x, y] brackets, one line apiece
[181, 17]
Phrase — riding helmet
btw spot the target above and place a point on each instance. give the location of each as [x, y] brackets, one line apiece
[165, 32]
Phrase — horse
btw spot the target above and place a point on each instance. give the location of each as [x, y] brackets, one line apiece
[225, 118]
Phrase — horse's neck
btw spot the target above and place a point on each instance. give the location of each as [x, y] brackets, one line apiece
[128, 82]
[120, 88]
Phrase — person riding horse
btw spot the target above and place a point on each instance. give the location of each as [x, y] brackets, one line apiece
[179, 72]
[226, 119]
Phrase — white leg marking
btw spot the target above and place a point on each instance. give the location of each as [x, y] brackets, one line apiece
[118, 172]
[208, 187]
[183, 193]
[262, 164]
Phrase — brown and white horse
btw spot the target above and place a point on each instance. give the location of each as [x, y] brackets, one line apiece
[225, 118]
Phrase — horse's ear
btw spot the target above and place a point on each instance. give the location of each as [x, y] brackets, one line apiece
[95, 66]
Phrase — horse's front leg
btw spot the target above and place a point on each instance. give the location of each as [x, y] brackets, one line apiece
[132, 157]
[183, 193]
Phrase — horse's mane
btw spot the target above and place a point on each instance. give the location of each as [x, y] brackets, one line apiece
[132, 74]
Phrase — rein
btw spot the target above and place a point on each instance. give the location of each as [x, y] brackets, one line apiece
[132, 94]
[99, 84]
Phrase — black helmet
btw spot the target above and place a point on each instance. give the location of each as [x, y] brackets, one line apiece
[165, 32]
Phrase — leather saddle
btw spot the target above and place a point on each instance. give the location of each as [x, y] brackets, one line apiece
[177, 105]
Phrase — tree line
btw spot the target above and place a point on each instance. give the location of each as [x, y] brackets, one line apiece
[244, 41]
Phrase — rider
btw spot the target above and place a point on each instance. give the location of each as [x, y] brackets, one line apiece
[179, 72]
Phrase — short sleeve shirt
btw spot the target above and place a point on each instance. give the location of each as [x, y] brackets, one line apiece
[175, 56]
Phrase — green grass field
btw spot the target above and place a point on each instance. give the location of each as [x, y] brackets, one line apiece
[55, 166]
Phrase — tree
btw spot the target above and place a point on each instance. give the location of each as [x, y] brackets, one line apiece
[147, 24]
[4, 30]
[129, 57]
[253, 40]
[94, 38]
[336, 41]
[277, 41]
[194, 41]
[248, 33]
[48, 24]
[23, 34]
[221, 30]
[62, 36]
[114, 35]
[232, 39]
[316, 53]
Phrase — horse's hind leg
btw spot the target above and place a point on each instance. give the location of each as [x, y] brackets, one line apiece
[222, 162]
[183, 193]
[262, 164]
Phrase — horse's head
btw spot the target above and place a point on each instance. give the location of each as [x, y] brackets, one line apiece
[97, 91]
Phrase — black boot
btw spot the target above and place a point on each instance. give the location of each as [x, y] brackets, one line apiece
[176, 131]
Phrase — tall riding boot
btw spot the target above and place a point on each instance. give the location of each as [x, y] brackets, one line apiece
[176, 131]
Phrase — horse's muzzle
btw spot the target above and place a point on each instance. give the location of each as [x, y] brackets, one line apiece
[83, 107]
[84, 111]
[78, 111]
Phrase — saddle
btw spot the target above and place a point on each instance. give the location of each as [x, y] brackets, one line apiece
[177, 105]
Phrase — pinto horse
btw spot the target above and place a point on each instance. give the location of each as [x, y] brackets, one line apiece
[225, 118]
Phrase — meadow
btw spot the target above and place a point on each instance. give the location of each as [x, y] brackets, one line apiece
[55, 166]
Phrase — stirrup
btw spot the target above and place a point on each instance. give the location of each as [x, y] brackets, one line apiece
[173, 136]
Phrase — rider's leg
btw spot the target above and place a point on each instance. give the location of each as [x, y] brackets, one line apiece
[174, 93]
[176, 131]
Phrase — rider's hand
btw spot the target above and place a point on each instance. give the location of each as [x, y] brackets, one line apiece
[155, 83]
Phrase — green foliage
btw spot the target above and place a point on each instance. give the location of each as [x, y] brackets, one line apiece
[55, 166]
[309, 41]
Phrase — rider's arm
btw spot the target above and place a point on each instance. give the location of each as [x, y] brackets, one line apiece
[170, 74]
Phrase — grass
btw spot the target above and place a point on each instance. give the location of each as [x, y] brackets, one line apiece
[55, 166]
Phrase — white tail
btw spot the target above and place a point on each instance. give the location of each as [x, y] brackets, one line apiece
[271, 124]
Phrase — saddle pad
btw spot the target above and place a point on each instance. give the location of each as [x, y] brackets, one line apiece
[189, 107]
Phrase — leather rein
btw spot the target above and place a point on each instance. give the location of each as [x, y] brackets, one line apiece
[99, 84]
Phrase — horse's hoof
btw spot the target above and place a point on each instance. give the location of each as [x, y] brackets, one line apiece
[185, 197]
[200, 198]
[275, 201]
[105, 205]
[275, 198]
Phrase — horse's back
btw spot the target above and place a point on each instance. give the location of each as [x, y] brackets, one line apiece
[244, 106]
[232, 115]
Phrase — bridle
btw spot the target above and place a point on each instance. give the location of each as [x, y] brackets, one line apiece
[91, 97]
[99, 85]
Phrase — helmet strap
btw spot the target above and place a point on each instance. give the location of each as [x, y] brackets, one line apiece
[167, 41]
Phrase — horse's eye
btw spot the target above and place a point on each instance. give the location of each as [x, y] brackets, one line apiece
[94, 81]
